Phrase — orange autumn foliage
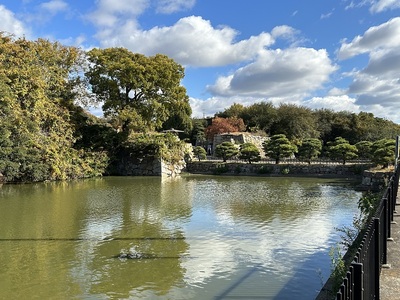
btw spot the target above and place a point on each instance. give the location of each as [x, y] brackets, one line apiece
[224, 125]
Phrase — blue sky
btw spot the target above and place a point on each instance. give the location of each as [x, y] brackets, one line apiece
[335, 54]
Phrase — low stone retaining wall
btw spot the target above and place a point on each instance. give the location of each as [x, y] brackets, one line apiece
[148, 167]
[376, 180]
[206, 167]
[371, 180]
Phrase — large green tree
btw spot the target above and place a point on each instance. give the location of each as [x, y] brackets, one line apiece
[38, 87]
[249, 152]
[364, 149]
[226, 150]
[310, 149]
[341, 149]
[278, 147]
[199, 152]
[234, 111]
[296, 122]
[198, 134]
[260, 116]
[383, 152]
[141, 93]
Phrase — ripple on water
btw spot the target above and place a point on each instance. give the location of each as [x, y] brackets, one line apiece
[238, 237]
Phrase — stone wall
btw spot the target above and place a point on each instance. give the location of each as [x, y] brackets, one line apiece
[256, 140]
[149, 167]
[375, 180]
[208, 167]
[172, 170]
[239, 138]
[234, 138]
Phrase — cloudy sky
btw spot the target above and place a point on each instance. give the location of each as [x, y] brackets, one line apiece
[338, 54]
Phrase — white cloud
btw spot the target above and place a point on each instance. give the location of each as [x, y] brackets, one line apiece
[74, 41]
[380, 111]
[384, 63]
[385, 35]
[265, 74]
[43, 13]
[375, 6]
[54, 7]
[191, 41]
[382, 5]
[377, 86]
[336, 103]
[283, 31]
[110, 13]
[10, 24]
[288, 73]
[327, 15]
[276, 76]
[360, 3]
[336, 92]
[376, 90]
[207, 108]
[171, 6]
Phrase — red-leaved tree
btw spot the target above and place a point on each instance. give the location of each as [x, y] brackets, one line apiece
[224, 125]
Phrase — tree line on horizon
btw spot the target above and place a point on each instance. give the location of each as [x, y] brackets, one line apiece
[278, 147]
[302, 132]
[297, 123]
[46, 134]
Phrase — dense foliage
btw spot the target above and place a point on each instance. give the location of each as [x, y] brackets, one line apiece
[309, 149]
[299, 123]
[316, 132]
[45, 135]
[199, 152]
[383, 152]
[249, 152]
[38, 84]
[279, 147]
[226, 150]
[139, 93]
[341, 149]
[198, 135]
[223, 125]
[159, 145]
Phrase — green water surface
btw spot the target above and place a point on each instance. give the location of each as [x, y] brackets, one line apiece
[195, 237]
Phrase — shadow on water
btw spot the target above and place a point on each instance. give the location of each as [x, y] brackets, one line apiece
[295, 288]
[236, 284]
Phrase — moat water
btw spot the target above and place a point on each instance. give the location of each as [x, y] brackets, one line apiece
[195, 237]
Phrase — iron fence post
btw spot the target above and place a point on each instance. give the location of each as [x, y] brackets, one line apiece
[358, 281]
[386, 230]
[377, 258]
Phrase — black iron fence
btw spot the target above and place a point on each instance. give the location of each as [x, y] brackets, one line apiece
[362, 278]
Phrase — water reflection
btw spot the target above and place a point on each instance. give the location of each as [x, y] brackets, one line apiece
[135, 217]
[198, 237]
